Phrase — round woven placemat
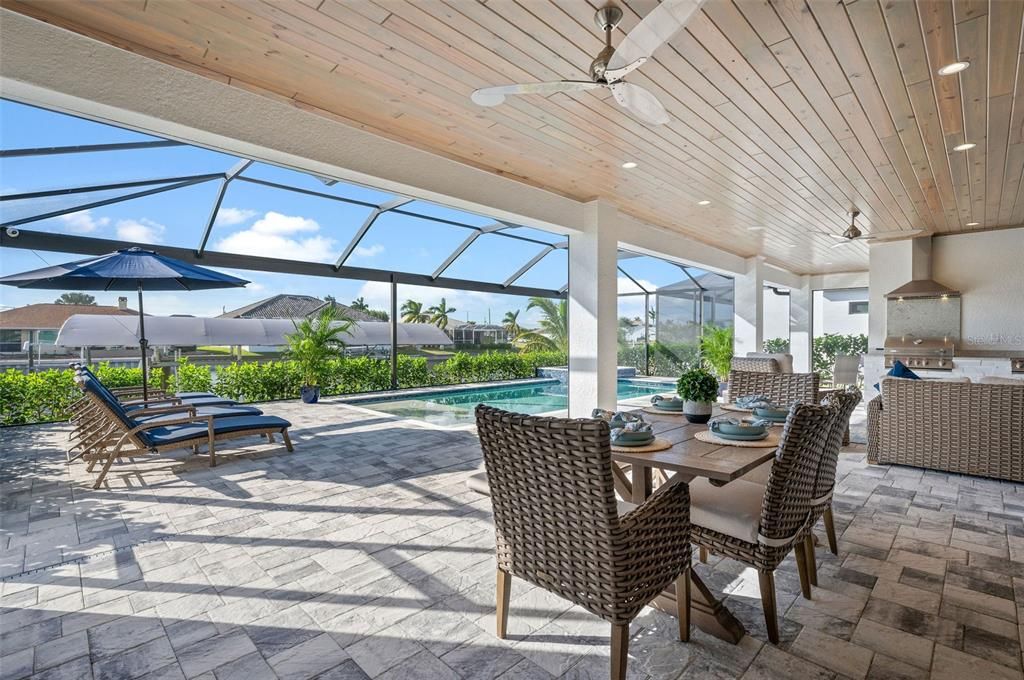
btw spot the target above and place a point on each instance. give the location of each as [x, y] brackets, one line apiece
[734, 407]
[656, 445]
[661, 411]
[769, 442]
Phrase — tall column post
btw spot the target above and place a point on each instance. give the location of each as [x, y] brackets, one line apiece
[593, 310]
[749, 308]
[800, 329]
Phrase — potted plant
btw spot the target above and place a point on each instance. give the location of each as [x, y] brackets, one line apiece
[698, 389]
[716, 349]
[313, 344]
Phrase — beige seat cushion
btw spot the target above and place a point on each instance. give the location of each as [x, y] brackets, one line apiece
[758, 475]
[999, 380]
[785, 361]
[626, 508]
[733, 509]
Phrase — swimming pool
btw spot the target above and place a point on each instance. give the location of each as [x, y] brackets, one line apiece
[452, 408]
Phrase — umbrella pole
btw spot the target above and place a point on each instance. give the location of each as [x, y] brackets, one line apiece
[142, 346]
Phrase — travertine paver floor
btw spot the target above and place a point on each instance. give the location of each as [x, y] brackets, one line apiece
[362, 554]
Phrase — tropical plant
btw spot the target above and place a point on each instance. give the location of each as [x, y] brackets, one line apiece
[716, 349]
[697, 385]
[359, 304]
[316, 341]
[412, 312]
[439, 314]
[75, 299]
[826, 348]
[553, 334]
[377, 314]
[775, 346]
[511, 323]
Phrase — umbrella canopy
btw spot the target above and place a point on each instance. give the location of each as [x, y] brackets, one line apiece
[128, 269]
[124, 270]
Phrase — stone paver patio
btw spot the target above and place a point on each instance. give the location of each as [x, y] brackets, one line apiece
[362, 554]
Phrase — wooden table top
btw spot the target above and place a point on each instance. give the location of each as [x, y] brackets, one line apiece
[694, 458]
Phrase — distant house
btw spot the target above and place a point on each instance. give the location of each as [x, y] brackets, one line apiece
[472, 333]
[287, 306]
[38, 324]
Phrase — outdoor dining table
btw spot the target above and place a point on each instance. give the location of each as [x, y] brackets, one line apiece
[688, 459]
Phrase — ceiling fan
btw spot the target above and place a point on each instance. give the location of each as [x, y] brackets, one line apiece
[612, 65]
[852, 233]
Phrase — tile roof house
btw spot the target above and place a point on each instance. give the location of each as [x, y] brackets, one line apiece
[39, 323]
[288, 306]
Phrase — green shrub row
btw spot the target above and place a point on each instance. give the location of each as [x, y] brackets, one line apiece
[45, 396]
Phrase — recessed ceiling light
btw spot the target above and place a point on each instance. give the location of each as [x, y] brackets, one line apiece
[972, 224]
[787, 245]
[703, 202]
[755, 228]
[955, 67]
[965, 146]
[629, 165]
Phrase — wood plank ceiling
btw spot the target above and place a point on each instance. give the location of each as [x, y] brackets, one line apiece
[785, 113]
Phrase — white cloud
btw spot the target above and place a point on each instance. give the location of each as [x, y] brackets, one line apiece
[270, 236]
[228, 217]
[142, 230]
[369, 251]
[82, 222]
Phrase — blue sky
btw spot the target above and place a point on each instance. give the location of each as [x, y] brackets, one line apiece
[261, 220]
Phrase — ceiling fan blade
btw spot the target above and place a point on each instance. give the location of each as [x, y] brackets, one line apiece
[839, 236]
[895, 235]
[844, 242]
[640, 102]
[657, 28]
[492, 96]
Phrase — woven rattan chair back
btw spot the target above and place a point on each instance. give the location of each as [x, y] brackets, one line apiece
[785, 511]
[553, 498]
[844, 403]
[755, 365]
[783, 389]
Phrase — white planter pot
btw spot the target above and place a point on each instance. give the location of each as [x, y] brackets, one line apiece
[697, 411]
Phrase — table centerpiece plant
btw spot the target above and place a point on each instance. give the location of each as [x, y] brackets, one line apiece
[698, 388]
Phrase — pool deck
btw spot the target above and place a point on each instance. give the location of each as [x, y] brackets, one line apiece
[364, 555]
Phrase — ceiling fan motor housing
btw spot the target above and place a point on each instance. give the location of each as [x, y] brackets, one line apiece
[606, 18]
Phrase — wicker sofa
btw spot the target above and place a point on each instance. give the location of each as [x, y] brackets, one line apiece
[968, 428]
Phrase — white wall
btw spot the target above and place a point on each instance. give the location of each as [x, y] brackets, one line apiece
[988, 269]
[833, 316]
[776, 315]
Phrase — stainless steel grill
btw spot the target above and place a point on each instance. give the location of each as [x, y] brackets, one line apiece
[923, 353]
[1017, 364]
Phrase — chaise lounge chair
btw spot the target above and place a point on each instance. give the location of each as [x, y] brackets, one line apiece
[125, 436]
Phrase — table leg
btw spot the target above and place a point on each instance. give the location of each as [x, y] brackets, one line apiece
[706, 611]
[643, 482]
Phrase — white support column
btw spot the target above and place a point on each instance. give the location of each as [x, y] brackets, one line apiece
[593, 311]
[800, 328]
[749, 310]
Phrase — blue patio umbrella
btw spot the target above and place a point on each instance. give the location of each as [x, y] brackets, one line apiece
[128, 269]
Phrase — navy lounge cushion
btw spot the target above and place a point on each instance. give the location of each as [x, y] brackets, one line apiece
[160, 436]
[899, 370]
[215, 411]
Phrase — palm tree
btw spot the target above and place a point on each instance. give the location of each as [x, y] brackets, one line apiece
[511, 324]
[439, 314]
[412, 312]
[316, 341]
[554, 326]
[360, 304]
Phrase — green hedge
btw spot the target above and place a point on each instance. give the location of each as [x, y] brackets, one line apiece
[46, 395]
[664, 359]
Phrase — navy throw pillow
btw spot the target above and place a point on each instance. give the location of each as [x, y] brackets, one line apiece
[899, 370]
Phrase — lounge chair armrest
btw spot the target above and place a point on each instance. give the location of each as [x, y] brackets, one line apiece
[166, 423]
[157, 400]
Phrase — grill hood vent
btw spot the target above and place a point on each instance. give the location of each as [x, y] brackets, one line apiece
[922, 288]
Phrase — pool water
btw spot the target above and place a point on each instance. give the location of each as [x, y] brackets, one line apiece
[452, 408]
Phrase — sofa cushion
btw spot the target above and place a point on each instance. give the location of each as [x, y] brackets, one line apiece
[784, 360]
[999, 380]
[733, 509]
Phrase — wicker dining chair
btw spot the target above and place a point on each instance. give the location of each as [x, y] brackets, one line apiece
[782, 388]
[558, 526]
[759, 524]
